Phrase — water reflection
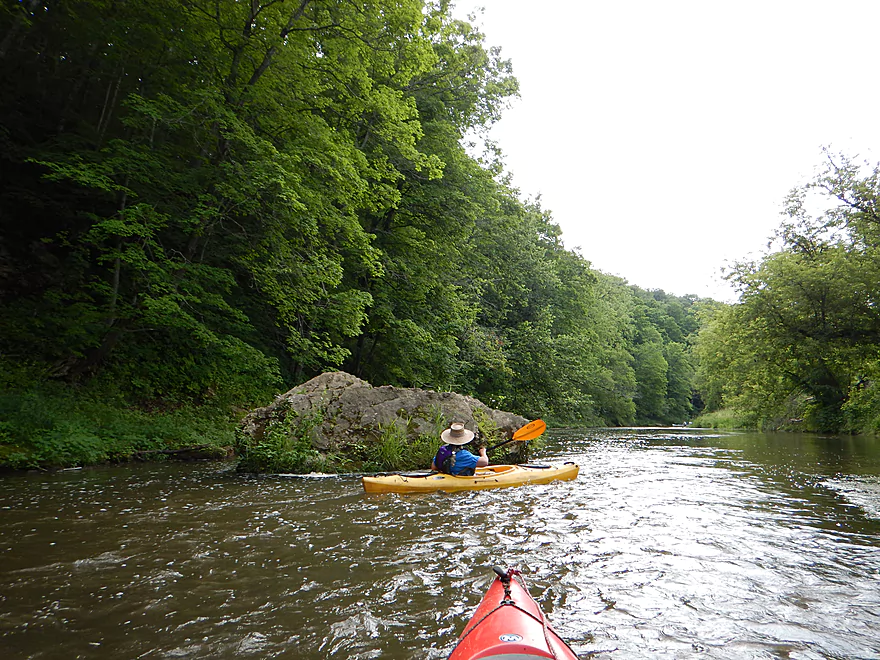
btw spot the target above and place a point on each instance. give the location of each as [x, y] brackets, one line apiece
[671, 543]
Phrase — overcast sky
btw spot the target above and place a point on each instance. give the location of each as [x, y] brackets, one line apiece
[664, 135]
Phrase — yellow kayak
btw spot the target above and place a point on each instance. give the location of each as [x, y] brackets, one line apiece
[492, 476]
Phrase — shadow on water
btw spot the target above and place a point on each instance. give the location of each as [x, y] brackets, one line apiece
[671, 543]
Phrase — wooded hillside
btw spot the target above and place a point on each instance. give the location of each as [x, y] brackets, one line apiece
[204, 203]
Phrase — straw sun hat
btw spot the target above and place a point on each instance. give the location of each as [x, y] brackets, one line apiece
[457, 434]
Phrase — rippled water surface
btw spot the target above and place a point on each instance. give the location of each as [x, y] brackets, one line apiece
[670, 544]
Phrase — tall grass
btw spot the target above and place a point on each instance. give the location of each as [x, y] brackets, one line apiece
[395, 450]
[286, 446]
[724, 419]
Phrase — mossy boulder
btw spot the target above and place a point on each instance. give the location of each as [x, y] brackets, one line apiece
[337, 421]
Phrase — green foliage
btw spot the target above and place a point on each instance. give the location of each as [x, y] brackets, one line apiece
[723, 419]
[489, 432]
[807, 327]
[285, 446]
[651, 371]
[861, 411]
[399, 447]
[54, 426]
[390, 452]
[395, 450]
[213, 201]
[678, 406]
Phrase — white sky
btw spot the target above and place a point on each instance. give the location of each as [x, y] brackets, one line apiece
[665, 134]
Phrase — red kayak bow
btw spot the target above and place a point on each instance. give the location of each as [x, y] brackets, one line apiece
[509, 625]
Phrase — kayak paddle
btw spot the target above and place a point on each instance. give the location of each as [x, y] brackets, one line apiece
[528, 432]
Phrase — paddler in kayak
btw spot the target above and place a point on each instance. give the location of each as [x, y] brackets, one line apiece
[453, 458]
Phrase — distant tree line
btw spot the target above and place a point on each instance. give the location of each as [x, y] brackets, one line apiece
[206, 202]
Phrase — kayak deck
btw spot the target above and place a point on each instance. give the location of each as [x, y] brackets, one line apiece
[492, 476]
[509, 625]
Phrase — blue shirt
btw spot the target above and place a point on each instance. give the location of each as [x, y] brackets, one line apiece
[464, 461]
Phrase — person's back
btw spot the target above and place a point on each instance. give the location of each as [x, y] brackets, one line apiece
[453, 458]
[456, 460]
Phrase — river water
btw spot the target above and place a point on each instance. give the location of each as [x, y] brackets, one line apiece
[671, 543]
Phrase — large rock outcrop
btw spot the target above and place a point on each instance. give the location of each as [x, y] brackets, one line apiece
[342, 412]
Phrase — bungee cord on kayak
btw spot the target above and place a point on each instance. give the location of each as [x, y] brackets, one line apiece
[505, 577]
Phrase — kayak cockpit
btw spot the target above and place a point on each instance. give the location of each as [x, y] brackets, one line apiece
[492, 471]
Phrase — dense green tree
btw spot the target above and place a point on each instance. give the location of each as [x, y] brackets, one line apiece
[678, 406]
[651, 375]
[663, 329]
[225, 168]
[420, 307]
[807, 327]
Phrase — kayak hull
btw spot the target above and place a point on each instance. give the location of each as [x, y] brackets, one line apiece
[493, 476]
[509, 629]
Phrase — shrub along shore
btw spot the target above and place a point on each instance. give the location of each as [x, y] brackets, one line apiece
[55, 426]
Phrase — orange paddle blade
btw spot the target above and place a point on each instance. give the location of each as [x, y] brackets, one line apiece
[530, 431]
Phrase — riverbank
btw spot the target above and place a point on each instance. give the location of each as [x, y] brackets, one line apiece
[55, 425]
[799, 421]
[52, 425]
[727, 420]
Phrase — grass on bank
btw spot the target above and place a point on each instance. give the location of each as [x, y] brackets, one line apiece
[800, 413]
[726, 419]
[52, 425]
[395, 451]
[285, 446]
[398, 448]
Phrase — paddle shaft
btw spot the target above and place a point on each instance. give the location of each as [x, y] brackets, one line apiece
[501, 444]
